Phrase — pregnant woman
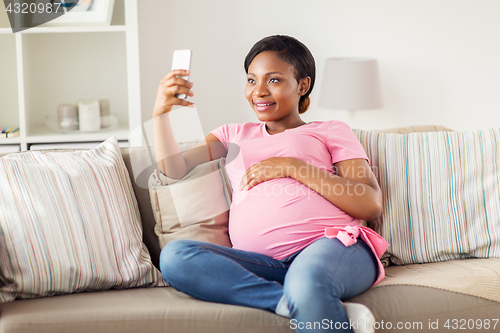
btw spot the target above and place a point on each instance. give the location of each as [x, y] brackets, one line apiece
[300, 191]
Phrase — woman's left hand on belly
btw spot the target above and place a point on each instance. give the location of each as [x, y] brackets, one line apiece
[271, 168]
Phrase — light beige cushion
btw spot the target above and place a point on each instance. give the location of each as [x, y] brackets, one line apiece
[416, 128]
[69, 222]
[195, 207]
[476, 277]
[441, 192]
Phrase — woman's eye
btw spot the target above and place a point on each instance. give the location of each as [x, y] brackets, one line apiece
[274, 80]
[250, 81]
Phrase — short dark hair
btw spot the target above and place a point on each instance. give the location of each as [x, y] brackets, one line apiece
[293, 52]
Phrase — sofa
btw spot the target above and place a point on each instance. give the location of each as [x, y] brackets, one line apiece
[436, 296]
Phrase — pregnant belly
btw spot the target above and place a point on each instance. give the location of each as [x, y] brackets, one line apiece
[281, 216]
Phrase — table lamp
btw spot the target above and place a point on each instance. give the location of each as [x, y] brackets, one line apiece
[351, 84]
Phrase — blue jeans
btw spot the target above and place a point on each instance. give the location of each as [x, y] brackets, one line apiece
[313, 280]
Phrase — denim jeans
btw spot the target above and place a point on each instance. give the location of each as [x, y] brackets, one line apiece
[313, 280]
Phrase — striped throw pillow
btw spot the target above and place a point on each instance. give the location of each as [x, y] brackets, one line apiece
[441, 193]
[69, 222]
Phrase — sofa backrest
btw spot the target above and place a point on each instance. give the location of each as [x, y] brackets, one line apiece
[139, 175]
[139, 183]
[142, 168]
[416, 128]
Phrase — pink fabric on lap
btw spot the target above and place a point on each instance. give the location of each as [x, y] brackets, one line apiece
[348, 236]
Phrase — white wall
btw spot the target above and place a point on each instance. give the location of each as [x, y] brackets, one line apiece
[439, 59]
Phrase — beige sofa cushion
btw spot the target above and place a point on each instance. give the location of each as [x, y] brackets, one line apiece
[195, 207]
[141, 163]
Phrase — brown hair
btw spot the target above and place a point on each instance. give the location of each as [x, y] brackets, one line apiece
[304, 104]
[293, 52]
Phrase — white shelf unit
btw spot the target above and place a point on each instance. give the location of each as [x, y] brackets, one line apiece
[42, 67]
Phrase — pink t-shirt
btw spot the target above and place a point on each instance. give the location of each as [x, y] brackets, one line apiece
[281, 216]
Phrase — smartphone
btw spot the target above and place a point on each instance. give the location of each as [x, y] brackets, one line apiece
[182, 60]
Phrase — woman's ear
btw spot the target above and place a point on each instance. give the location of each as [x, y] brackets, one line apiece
[304, 85]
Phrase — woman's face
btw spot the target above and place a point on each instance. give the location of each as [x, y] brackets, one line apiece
[272, 90]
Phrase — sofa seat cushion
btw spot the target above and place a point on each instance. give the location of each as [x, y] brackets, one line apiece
[416, 305]
[164, 309]
[475, 277]
[160, 309]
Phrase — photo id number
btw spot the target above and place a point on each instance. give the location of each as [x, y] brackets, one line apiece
[463, 324]
[27, 8]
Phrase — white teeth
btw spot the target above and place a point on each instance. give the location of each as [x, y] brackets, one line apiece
[264, 104]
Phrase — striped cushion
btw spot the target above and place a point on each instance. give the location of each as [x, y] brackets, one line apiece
[441, 193]
[69, 222]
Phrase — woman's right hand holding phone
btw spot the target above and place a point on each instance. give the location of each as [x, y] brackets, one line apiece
[171, 85]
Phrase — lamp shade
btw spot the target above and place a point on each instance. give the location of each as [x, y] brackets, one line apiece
[351, 84]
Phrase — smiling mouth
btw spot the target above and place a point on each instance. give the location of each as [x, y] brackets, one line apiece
[264, 104]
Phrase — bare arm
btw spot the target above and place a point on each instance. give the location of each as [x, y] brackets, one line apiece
[354, 189]
[175, 164]
[168, 155]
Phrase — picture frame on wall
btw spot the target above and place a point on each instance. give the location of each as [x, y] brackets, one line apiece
[82, 12]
